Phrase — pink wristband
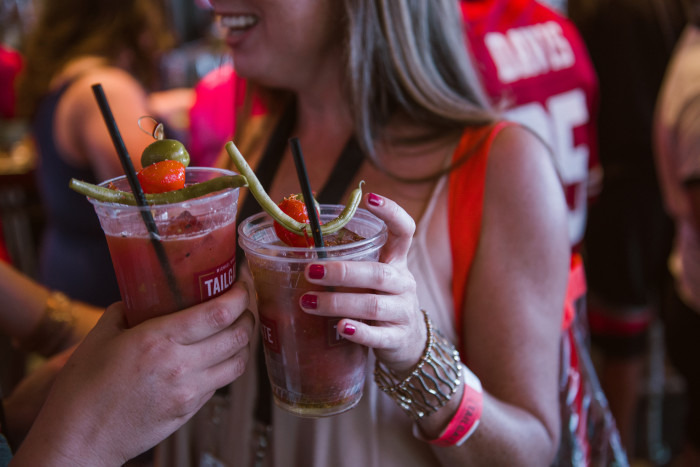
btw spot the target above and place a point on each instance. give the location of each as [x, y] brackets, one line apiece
[467, 417]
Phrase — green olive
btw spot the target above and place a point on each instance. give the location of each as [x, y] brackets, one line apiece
[165, 149]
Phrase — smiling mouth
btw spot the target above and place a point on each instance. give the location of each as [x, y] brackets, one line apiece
[238, 22]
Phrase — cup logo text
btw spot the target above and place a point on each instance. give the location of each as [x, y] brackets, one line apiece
[333, 334]
[217, 280]
[268, 330]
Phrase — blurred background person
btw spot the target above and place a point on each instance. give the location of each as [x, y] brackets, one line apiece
[677, 144]
[74, 44]
[535, 67]
[628, 234]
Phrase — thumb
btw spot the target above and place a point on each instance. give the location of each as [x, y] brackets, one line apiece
[111, 323]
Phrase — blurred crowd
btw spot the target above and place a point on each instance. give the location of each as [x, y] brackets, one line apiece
[581, 242]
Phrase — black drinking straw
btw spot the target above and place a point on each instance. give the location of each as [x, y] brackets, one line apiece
[308, 195]
[130, 173]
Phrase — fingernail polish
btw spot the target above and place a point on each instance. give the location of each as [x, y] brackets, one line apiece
[375, 200]
[317, 271]
[349, 329]
[309, 301]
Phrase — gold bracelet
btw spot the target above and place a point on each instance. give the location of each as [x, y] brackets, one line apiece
[54, 332]
[420, 393]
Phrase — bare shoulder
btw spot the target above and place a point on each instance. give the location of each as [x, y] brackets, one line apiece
[80, 128]
[521, 171]
[118, 85]
[78, 105]
[519, 148]
[524, 200]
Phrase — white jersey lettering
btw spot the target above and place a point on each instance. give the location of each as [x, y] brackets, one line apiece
[555, 124]
[529, 51]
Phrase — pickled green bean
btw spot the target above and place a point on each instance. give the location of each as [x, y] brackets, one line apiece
[276, 213]
[108, 195]
[346, 214]
[246, 179]
[259, 193]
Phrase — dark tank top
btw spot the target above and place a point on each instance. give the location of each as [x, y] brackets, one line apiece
[74, 257]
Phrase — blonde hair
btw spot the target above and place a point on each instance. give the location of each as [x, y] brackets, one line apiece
[409, 57]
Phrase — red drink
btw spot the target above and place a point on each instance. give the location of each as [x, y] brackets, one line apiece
[198, 238]
[142, 281]
[313, 371]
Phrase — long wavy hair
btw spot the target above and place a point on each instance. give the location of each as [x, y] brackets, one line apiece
[67, 29]
[408, 57]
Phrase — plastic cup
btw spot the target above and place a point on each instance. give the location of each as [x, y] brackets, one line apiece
[198, 237]
[313, 370]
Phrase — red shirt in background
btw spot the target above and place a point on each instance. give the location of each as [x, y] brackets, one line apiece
[10, 66]
[4, 255]
[536, 68]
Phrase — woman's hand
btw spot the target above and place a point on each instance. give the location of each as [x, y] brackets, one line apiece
[387, 318]
[124, 390]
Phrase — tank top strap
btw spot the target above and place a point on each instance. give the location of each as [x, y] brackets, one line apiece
[465, 205]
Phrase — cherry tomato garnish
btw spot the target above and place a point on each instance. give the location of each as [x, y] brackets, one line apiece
[295, 208]
[162, 176]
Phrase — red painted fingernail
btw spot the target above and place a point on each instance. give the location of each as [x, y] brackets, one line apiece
[349, 329]
[375, 200]
[317, 271]
[309, 301]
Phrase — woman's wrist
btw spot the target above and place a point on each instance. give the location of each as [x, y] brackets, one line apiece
[433, 387]
[432, 382]
[465, 419]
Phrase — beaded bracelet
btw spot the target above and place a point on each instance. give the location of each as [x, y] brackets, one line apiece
[421, 393]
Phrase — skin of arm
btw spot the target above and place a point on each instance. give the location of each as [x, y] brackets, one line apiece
[516, 296]
[25, 401]
[125, 389]
[23, 305]
[512, 316]
[24, 302]
[80, 129]
[172, 105]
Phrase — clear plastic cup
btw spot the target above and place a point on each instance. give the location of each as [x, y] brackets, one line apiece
[197, 239]
[313, 370]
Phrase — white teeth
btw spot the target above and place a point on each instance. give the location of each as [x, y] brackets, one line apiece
[238, 22]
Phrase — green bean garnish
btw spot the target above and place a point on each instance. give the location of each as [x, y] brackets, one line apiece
[346, 214]
[108, 195]
[280, 216]
[247, 178]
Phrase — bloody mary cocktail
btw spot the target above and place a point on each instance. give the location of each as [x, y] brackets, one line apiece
[314, 372]
[197, 236]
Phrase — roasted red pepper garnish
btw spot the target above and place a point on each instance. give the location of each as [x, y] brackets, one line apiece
[295, 208]
[162, 176]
